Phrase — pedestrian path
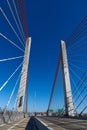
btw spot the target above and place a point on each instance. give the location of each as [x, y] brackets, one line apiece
[17, 125]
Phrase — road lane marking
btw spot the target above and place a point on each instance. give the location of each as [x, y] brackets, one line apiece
[44, 124]
[55, 125]
[15, 124]
[2, 125]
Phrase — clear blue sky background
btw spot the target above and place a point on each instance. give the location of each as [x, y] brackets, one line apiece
[49, 21]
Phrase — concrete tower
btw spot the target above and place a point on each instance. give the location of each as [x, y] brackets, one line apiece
[23, 88]
[69, 107]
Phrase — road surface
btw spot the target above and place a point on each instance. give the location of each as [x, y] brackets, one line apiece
[65, 123]
[51, 122]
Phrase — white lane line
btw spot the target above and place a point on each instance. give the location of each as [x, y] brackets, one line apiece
[15, 124]
[44, 124]
[2, 125]
[41, 122]
[50, 127]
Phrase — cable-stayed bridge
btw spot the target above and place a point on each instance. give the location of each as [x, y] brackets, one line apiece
[75, 60]
[67, 108]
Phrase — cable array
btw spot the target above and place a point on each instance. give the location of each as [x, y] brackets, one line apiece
[77, 60]
[19, 32]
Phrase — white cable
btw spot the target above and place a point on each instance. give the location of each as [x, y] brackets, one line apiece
[77, 90]
[77, 51]
[11, 25]
[73, 45]
[15, 102]
[10, 77]
[15, 19]
[18, 18]
[79, 44]
[75, 66]
[77, 76]
[77, 55]
[12, 58]
[79, 61]
[13, 91]
[11, 42]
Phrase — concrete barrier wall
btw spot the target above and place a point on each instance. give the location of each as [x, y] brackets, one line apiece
[10, 116]
[40, 125]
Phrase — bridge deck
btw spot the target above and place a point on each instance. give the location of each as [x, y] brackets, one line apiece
[52, 122]
[65, 123]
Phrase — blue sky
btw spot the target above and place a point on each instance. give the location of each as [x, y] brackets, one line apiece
[48, 21]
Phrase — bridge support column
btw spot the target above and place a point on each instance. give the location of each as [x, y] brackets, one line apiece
[69, 107]
[23, 88]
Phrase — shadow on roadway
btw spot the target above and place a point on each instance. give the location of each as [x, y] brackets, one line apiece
[31, 125]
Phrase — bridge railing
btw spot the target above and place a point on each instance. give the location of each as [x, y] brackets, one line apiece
[10, 116]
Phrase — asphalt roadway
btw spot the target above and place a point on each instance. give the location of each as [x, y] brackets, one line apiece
[65, 123]
[52, 122]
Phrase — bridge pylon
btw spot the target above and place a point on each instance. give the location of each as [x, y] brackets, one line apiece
[69, 107]
[23, 88]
